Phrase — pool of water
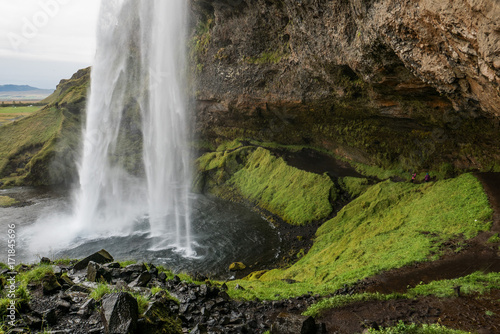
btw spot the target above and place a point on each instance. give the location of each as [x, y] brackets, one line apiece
[222, 233]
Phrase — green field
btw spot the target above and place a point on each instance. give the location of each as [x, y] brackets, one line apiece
[9, 114]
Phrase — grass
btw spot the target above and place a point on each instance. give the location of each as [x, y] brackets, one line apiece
[10, 114]
[36, 274]
[6, 201]
[494, 238]
[18, 110]
[23, 140]
[402, 328]
[101, 290]
[389, 226]
[476, 283]
[296, 196]
[22, 298]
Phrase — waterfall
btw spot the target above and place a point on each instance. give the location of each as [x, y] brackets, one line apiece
[135, 161]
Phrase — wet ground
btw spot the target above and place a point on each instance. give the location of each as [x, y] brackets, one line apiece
[478, 314]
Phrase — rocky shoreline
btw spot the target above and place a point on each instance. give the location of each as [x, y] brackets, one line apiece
[62, 302]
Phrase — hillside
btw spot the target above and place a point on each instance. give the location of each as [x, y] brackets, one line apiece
[41, 149]
[17, 88]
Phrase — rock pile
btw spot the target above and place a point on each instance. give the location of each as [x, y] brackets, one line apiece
[62, 304]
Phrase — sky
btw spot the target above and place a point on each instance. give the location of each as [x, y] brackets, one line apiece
[44, 41]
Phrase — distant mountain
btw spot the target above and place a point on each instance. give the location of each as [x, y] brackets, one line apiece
[17, 88]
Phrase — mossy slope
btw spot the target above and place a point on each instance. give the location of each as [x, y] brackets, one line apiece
[388, 226]
[297, 196]
[41, 149]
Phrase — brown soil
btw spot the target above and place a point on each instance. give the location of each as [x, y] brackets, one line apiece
[479, 314]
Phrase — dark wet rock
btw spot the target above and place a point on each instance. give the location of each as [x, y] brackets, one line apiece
[100, 257]
[287, 323]
[50, 317]
[32, 321]
[199, 329]
[162, 277]
[79, 288]
[87, 308]
[199, 277]
[141, 281]
[119, 313]
[112, 265]
[50, 284]
[63, 306]
[45, 260]
[96, 272]
[131, 272]
[65, 281]
[161, 316]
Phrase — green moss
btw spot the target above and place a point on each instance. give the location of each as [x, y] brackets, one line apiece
[354, 186]
[297, 196]
[267, 57]
[477, 283]
[494, 238]
[388, 226]
[6, 201]
[402, 328]
[36, 274]
[22, 299]
[126, 263]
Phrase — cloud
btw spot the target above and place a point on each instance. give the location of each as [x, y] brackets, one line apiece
[62, 30]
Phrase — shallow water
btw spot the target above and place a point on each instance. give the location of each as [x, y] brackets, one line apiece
[223, 233]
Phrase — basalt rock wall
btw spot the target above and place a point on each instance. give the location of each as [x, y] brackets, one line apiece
[413, 83]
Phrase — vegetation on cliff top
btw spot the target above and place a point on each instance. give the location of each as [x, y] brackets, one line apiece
[41, 149]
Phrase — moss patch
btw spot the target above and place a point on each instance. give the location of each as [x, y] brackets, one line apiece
[388, 226]
[6, 201]
[298, 197]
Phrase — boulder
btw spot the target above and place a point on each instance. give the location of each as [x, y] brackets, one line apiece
[32, 321]
[50, 284]
[100, 257]
[131, 272]
[141, 281]
[96, 272]
[44, 260]
[119, 313]
[235, 266]
[64, 280]
[287, 323]
[161, 316]
[87, 308]
[50, 317]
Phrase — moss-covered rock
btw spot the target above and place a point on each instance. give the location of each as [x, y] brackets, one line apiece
[50, 284]
[237, 266]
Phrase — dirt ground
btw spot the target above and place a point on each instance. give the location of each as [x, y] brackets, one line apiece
[478, 314]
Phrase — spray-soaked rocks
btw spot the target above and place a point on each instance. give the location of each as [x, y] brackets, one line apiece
[138, 298]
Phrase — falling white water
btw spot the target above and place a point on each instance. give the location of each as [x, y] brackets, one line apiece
[137, 102]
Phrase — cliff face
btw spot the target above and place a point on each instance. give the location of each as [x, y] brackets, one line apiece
[353, 76]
